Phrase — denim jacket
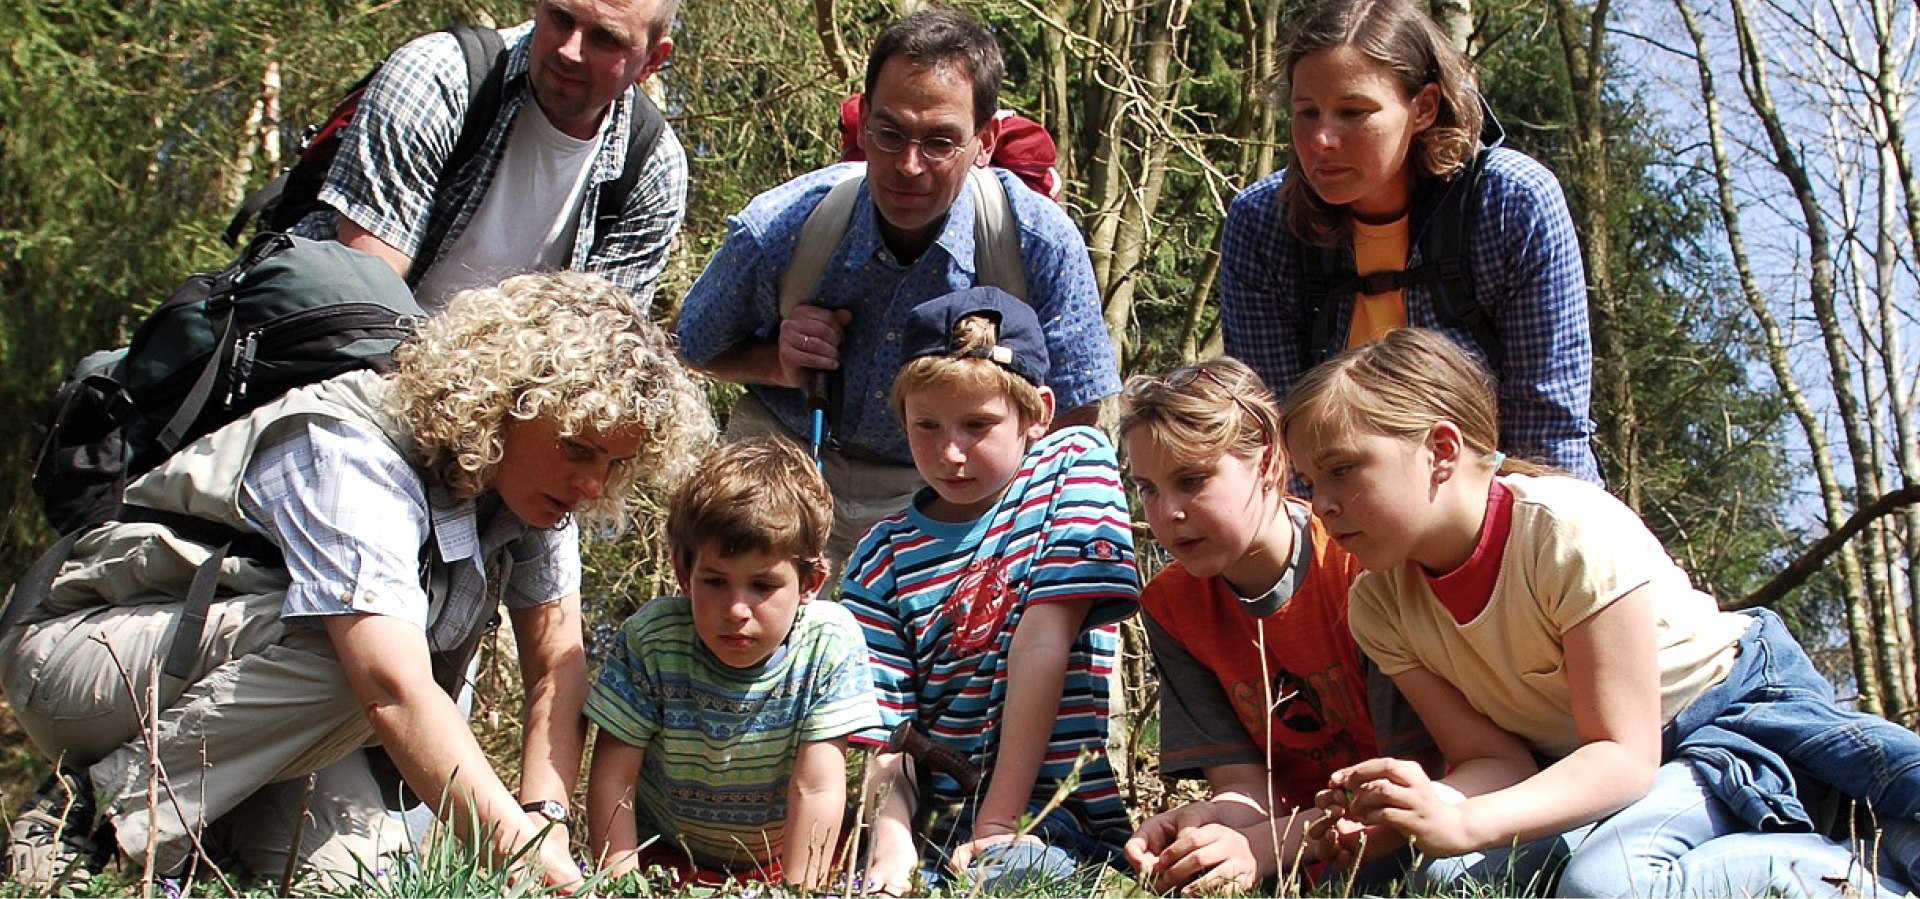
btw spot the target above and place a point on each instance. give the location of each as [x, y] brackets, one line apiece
[1773, 715]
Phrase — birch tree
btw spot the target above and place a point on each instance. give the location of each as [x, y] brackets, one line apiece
[1828, 123]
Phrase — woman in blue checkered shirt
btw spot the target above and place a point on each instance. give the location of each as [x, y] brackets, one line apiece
[1334, 251]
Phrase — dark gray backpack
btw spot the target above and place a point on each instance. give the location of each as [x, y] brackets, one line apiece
[288, 312]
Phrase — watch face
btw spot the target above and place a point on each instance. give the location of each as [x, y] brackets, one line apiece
[550, 809]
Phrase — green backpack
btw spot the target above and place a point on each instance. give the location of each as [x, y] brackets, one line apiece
[288, 312]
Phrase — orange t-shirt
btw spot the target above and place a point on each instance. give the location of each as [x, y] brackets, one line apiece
[1378, 248]
[1312, 667]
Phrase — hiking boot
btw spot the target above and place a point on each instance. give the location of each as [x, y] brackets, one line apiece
[51, 843]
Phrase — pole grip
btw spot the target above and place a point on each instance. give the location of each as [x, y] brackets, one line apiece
[934, 754]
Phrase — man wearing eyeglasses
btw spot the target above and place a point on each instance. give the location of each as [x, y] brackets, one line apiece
[926, 120]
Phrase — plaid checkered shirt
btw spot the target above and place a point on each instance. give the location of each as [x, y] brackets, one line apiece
[1525, 266]
[408, 121]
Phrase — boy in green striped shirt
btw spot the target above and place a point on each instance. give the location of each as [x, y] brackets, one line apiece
[724, 713]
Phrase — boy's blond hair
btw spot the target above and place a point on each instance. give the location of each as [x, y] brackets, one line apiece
[759, 494]
[968, 368]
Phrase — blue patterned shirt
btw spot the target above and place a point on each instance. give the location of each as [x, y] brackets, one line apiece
[407, 123]
[1525, 267]
[940, 601]
[736, 300]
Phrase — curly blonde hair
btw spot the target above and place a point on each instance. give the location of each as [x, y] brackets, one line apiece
[1400, 37]
[965, 369]
[1205, 411]
[565, 346]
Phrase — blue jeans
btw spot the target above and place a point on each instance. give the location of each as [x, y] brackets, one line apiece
[1070, 856]
[1525, 869]
[1724, 816]
[1681, 840]
[1774, 716]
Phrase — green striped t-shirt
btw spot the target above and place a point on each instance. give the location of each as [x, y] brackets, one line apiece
[719, 742]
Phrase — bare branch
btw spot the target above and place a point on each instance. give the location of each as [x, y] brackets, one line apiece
[1817, 554]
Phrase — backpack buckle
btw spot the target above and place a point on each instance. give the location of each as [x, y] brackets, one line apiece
[1378, 283]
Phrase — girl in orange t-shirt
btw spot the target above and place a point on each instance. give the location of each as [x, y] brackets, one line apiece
[1263, 690]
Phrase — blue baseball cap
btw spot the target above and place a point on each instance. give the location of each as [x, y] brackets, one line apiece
[1020, 348]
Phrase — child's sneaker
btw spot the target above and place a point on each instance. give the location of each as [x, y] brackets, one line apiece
[51, 844]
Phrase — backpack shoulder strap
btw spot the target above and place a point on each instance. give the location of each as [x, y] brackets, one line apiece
[996, 236]
[36, 584]
[486, 58]
[218, 296]
[645, 124]
[1445, 263]
[820, 235]
[1321, 285]
[996, 239]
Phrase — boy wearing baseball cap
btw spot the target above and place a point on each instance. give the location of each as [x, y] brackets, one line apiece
[989, 607]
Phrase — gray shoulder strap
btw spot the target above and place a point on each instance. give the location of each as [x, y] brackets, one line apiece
[996, 239]
[996, 236]
[825, 226]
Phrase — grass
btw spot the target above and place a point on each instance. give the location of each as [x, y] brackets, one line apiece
[447, 867]
[623, 575]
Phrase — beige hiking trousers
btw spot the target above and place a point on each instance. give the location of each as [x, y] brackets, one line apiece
[264, 707]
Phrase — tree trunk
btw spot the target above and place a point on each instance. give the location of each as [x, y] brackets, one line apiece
[826, 23]
[1820, 288]
[1583, 45]
[1775, 341]
[1890, 106]
[1455, 18]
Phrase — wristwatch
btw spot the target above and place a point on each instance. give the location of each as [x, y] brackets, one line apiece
[551, 809]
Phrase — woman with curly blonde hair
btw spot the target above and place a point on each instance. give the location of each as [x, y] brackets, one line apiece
[398, 513]
[1398, 207]
[564, 346]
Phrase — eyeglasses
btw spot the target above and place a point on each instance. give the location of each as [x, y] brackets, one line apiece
[932, 149]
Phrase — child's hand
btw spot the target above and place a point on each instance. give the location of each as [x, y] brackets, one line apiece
[1333, 837]
[1397, 794]
[967, 853]
[1207, 858]
[1157, 833]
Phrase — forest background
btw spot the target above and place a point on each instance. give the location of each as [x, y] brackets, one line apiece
[1739, 174]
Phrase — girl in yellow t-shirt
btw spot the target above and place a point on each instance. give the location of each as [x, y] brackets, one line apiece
[1602, 721]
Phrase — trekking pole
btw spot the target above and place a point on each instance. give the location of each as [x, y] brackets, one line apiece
[817, 401]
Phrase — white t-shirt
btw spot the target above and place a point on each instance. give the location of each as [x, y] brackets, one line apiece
[527, 220]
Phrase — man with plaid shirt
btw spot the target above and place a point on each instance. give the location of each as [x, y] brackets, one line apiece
[527, 201]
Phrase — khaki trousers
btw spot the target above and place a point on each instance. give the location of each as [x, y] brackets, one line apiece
[266, 706]
[863, 492]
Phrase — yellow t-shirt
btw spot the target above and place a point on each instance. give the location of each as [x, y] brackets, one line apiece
[1378, 248]
[1573, 550]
